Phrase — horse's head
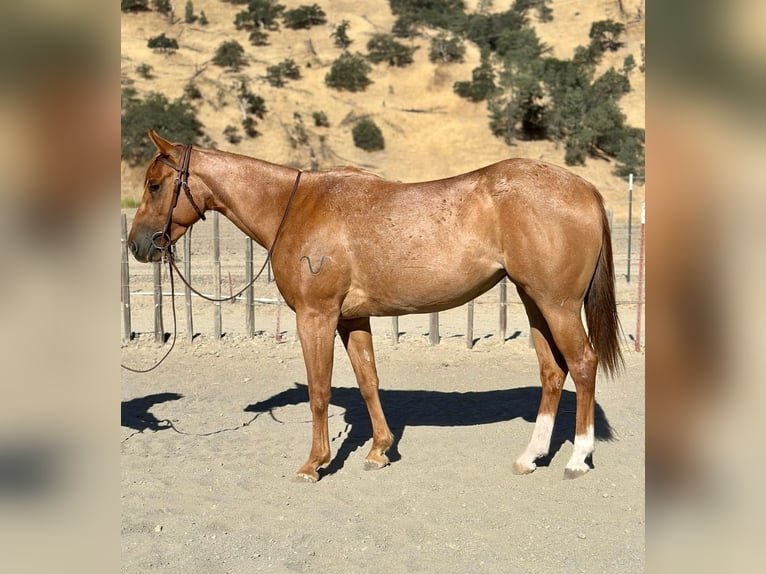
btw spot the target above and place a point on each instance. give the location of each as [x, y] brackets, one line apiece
[164, 215]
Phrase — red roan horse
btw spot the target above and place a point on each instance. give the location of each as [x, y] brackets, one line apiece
[352, 245]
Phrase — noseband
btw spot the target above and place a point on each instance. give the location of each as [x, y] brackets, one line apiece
[181, 181]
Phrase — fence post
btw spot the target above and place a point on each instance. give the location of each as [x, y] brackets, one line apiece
[395, 329]
[217, 328]
[503, 318]
[187, 290]
[469, 325]
[159, 330]
[640, 277]
[125, 291]
[249, 304]
[630, 220]
[433, 331]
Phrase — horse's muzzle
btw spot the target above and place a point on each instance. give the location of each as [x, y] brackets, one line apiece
[144, 249]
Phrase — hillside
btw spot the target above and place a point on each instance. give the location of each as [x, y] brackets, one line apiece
[429, 131]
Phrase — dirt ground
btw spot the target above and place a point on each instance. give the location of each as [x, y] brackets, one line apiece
[211, 441]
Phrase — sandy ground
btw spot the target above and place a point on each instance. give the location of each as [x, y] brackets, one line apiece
[211, 441]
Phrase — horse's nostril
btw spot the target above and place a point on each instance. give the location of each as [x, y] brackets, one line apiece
[133, 247]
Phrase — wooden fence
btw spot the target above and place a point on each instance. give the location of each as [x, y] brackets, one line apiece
[498, 329]
[249, 295]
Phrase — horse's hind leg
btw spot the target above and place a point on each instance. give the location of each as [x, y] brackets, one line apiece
[553, 371]
[568, 332]
[357, 338]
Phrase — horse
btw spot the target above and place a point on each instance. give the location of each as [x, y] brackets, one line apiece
[346, 245]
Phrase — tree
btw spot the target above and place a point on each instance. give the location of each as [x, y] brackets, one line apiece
[176, 121]
[260, 14]
[304, 17]
[340, 36]
[544, 12]
[163, 6]
[189, 16]
[349, 72]
[445, 14]
[367, 135]
[482, 83]
[605, 35]
[230, 54]
[384, 48]
[446, 48]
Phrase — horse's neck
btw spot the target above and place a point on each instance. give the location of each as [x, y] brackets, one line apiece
[252, 193]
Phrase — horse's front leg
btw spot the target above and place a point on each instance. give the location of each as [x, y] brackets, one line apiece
[317, 334]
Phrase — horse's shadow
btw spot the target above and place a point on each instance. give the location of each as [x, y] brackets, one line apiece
[435, 408]
[135, 412]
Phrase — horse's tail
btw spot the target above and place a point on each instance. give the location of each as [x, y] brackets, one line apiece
[601, 307]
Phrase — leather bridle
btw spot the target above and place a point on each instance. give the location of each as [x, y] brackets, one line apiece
[181, 182]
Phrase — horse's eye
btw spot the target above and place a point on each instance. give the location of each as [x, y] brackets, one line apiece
[153, 187]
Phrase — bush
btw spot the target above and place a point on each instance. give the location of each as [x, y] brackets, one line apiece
[231, 133]
[384, 48]
[367, 135]
[320, 120]
[145, 71]
[258, 38]
[230, 54]
[134, 5]
[304, 17]
[286, 69]
[162, 43]
[176, 121]
[192, 92]
[349, 72]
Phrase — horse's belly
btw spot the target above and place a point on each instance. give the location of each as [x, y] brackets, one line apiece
[423, 293]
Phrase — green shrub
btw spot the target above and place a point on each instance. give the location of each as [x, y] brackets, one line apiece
[304, 17]
[231, 133]
[286, 69]
[367, 135]
[162, 43]
[384, 48]
[320, 120]
[145, 71]
[349, 72]
[134, 5]
[230, 54]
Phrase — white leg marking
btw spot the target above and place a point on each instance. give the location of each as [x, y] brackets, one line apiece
[538, 445]
[584, 444]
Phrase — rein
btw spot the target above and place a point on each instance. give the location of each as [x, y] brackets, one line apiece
[182, 181]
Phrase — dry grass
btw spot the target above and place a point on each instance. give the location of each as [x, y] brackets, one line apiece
[429, 131]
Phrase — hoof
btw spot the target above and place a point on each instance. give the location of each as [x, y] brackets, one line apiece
[303, 476]
[523, 467]
[370, 464]
[570, 473]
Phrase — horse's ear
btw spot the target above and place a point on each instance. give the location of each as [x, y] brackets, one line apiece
[163, 146]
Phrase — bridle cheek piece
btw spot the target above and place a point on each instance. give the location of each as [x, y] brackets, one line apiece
[181, 182]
